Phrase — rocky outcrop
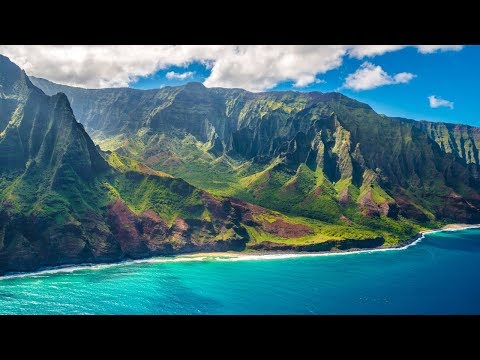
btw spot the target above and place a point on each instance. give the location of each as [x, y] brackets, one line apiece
[30, 243]
[460, 209]
[409, 210]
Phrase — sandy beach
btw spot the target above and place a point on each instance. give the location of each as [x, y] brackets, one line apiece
[458, 226]
[231, 254]
[273, 254]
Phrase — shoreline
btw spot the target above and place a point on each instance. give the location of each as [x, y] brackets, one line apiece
[239, 256]
[263, 253]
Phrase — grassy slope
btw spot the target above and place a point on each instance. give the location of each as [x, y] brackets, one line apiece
[158, 191]
[151, 193]
[275, 189]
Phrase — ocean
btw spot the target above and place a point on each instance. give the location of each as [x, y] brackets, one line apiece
[437, 275]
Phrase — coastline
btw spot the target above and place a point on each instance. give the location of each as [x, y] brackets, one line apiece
[268, 254]
[239, 256]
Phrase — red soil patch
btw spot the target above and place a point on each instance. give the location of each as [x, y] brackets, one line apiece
[409, 210]
[370, 208]
[151, 215]
[122, 221]
[180, 224]
[286, 230]
[248, 211]
[344, 198]
[136, 234]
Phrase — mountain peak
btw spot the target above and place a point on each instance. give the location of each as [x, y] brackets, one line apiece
[6, 60]
[13, 80]
[345, 100]
[61, 100]
[40, 129]
[195, 85]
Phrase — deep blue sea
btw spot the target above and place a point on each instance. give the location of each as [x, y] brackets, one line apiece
[438, 275]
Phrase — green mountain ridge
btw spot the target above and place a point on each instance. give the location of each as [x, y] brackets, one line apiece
[317, 155]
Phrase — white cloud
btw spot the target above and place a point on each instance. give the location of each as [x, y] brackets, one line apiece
[261, 67]
[253, 67]
[436, 102]
[369, 76]
[403, 78]
[361, 51]
[429, 49]
[179, 76]
[97, 66]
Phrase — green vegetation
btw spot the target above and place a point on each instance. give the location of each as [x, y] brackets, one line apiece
[322, 160]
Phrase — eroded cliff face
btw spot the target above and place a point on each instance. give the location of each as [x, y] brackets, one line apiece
[291, 152]
[462, 141]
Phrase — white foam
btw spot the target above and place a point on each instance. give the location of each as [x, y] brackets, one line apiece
[240, 257]
[71, 269]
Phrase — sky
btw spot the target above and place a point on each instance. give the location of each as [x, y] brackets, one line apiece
[422, 82]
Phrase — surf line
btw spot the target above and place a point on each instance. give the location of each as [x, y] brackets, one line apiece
[232, 257]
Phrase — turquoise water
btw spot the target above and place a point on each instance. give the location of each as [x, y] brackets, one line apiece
[439, 275]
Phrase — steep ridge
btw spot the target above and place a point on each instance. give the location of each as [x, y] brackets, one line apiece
[463, 141]
[318, 155]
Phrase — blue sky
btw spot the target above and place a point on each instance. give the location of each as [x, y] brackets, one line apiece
[159, 79]
[430, 82]
[450, 75]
